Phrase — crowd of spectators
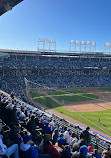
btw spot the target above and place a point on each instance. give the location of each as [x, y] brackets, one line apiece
[29, 133]
[14, 79]
[54, 61]
[53, 71]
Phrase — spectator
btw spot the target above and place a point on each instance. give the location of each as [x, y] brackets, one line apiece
[26, 150]
[48, 148]
[55, 135]
[66, 153]
[61, 143]
[76, 146]
[82, 153]
[73, 139]
[66, 136]
[31, 125]
[9, 151]
[16, 135]
[89, 149]
[86, 136]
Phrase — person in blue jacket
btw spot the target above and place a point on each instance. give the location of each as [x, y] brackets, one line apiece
[26, 150]
[29, 151]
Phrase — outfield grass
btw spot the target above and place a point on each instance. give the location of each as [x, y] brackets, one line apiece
[78, 97]
[35, 94]
[105, 89]
[56, 92]
[91, 118]
[46, 101]
[88, 118]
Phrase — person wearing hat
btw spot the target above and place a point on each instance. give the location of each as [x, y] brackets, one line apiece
[60, 142]
[26, 150]
[46, 129]
[83, 151]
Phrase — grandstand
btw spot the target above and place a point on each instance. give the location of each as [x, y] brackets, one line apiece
[55, 70]
[81, 70]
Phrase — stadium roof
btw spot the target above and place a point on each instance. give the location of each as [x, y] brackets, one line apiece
[6, 5]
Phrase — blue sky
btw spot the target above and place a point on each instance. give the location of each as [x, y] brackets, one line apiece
[63, 20]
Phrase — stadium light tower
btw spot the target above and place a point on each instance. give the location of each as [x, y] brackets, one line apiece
[72, 46]
[52, 45]
[78, 46]
[88, 44]
[41, 44]
[94, 47]
[46, 45]
[83, 46]
[107, 48]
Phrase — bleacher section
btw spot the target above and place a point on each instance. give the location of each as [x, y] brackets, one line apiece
[53, 71]
[97, 139]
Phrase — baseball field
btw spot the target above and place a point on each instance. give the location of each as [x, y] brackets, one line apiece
[90, 106]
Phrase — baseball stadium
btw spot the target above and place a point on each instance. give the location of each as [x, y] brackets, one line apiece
[67, 84]
[70, 89]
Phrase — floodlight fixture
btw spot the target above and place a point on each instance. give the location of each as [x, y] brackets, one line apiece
[83, 42]
[93, 43]
[78, 42]
[39, 40]
[107, 44]
[88, 43]
[71, 42]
